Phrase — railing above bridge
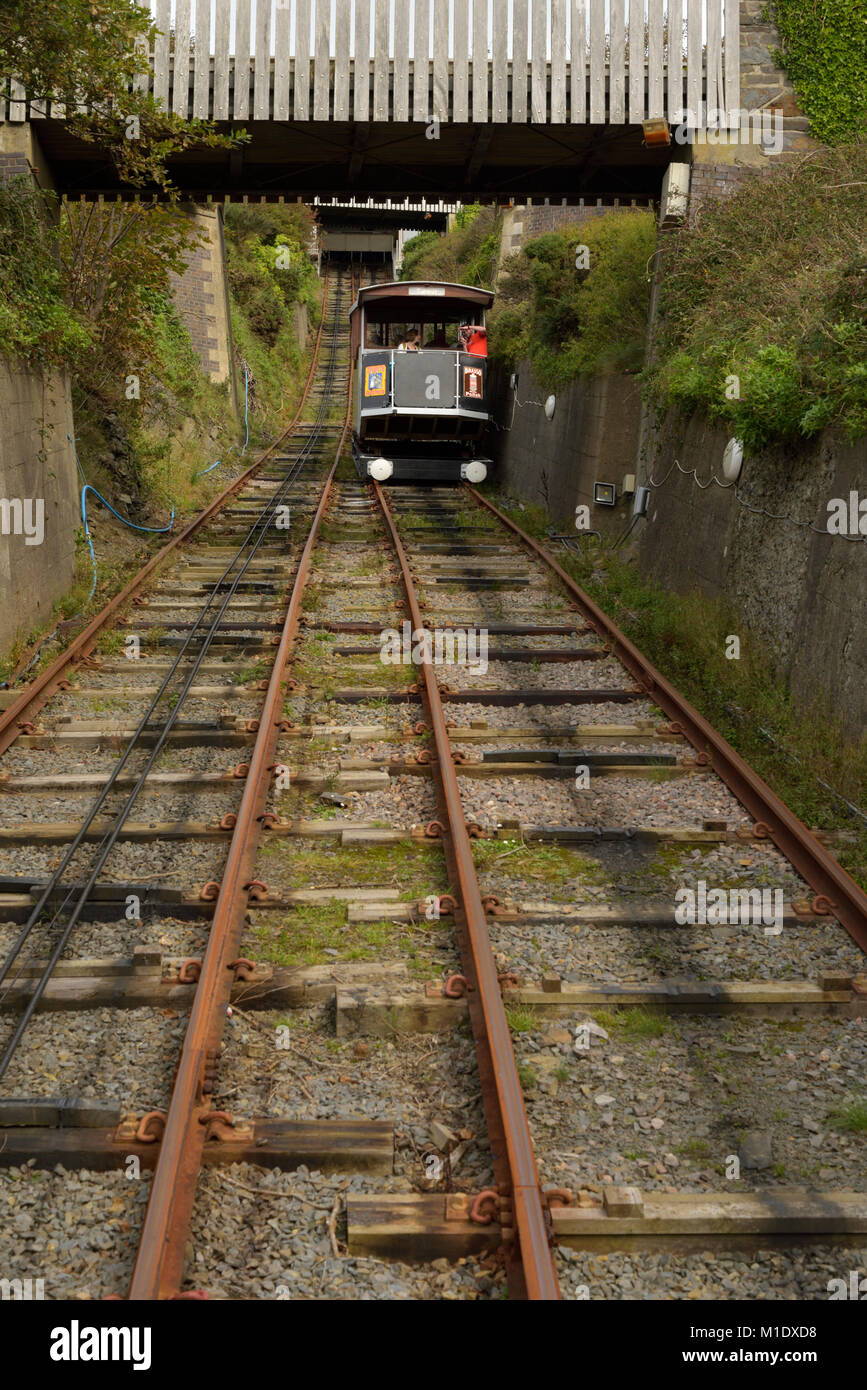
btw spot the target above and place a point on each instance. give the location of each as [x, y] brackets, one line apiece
[457, 61]
[397, 205]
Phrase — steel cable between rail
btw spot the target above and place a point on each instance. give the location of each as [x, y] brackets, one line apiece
[105, 846]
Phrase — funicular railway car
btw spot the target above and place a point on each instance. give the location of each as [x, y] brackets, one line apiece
[420, 411]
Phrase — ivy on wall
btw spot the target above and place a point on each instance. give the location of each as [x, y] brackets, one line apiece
[824, 51]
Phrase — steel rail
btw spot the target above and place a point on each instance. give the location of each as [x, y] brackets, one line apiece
[107, 843]
[261, 526]
[838, 892]
[531, 1266]
[159, 1266]
[34, 695]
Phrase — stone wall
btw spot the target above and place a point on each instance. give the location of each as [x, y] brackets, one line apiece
[719, 168]
[201, 295]
[21, 153]
[801, 590]
[36, 462]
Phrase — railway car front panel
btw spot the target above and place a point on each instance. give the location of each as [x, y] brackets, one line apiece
[421, 384]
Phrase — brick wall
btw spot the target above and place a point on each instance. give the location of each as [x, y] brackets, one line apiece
[720, 169]
[709, 182]
[13, 165]
[200, 294]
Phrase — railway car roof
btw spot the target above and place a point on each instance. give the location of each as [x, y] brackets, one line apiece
[425, 290]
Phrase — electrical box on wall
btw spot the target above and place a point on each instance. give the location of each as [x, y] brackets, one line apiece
[628, 485]
[642, 498]
[674, 199]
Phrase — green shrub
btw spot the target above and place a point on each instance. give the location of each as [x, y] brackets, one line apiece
[415, 254]
[789, 745]
[270, 275]
[466, 255]
[763, 308]
[573, 321]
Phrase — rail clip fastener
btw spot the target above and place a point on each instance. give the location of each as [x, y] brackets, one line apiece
[456, 987]
[244, 968]
[150, 1127]
[493, 905]
[223, 1128]
[257, 890]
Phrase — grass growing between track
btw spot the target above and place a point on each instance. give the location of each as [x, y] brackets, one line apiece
[318, 934]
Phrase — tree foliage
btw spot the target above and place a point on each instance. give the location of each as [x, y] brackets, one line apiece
[77, 51]
[116, 261]
[36, 323]
[87, 54]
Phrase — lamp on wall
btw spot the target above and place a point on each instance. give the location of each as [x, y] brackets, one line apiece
[605, 494]
[656, 131]
[733, 460]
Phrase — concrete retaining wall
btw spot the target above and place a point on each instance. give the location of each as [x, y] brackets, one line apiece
[555, 463]
[801, 591]
[36, 463]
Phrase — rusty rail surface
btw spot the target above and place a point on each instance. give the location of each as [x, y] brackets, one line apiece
[159, 1267]
[34, 695]
[523, 1213]
[837, 892]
